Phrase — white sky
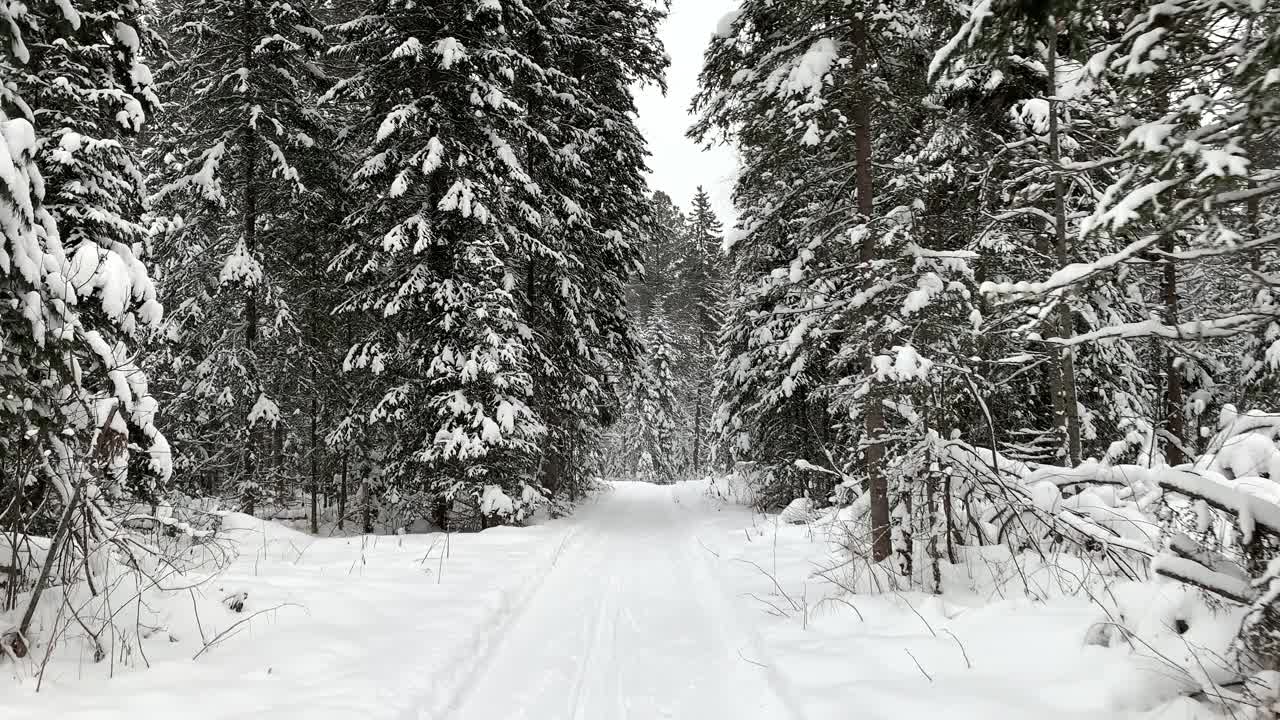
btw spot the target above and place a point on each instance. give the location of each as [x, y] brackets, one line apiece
[679, 165]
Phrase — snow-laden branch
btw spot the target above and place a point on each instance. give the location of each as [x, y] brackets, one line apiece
[1253, 513]
[1193, 573]
[1072, 274]
[1190, 330]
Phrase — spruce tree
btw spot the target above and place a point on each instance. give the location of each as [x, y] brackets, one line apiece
[794, 86]
[584, 249]
[702, 277]
[77, 299]
[249, 176]
[444, 364]
[496, 262]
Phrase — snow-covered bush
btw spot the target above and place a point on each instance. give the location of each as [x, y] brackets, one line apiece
[497, 506]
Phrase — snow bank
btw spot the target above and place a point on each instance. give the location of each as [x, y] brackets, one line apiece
[738, 487]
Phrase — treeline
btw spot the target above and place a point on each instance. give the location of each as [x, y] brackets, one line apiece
[1045, 229]
[392, 242]
[665, 431]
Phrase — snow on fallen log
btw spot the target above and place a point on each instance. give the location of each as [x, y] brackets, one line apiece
[1193, 573]
[1234, 422]
[1109, 538]
[1231, 425]
[1253, 513]
[1014, 486]
[1183, 546]
[978, 462]
[1091, 472]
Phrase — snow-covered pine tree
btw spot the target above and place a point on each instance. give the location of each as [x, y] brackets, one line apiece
[703, 279]
[764, 385]
[248, 176]
[674, 302]
[1173, 192]
[661, 249]
[75, 296]
[630, 447]
[440, 197]
[490, 130]
[650, 441]
[588, 160]
[77, 90]
[796, 88]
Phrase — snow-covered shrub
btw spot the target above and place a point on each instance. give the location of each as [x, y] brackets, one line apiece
[798, 512]
[498, 506]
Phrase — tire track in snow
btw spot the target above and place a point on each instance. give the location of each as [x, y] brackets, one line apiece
[630, 624]
[731, 620]
[469, 669]
[585, 664]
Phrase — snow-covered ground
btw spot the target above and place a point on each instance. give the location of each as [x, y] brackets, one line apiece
[631, 623]
[984, 651]
[374, 627]
[650, 602]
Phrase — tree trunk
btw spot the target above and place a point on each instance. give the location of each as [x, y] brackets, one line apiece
[697, 437]
[873, 420]
[932, 490]
[342, 493]
[250, 219]
[1175, 420]
[366, 509]
[440, 513]
[60, 535]
[315, 476]
[16, 521]
[574, 490]
[1069, 406]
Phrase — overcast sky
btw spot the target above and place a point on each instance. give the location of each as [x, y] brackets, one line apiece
[679, 165]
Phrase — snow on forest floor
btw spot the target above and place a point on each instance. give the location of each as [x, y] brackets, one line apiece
[987, 653]
[650, 602]
[373, 627]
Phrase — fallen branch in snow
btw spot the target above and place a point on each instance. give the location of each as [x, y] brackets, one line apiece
[753, 662]
[776, 610]
[917, 614]
[1184, 547]
[220, 636]
[834, 598]
[195, 609]
[1253, 513]
[704, 547]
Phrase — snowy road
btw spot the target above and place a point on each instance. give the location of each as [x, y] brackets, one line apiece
[649, 602]
[628, 623]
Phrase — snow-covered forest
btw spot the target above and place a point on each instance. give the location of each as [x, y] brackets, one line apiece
[372, 310]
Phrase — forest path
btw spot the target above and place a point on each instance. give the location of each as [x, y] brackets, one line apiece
[629, 622]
